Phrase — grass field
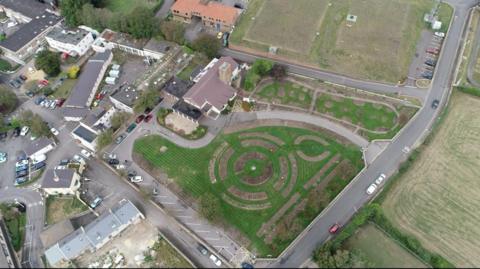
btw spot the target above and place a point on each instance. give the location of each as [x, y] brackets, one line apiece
[62, 208]
[248, 215]
[380, 250]
[379, 45]
[286, 93]
[437, 199]
[63, 91]
[126, 6]
[15, 222]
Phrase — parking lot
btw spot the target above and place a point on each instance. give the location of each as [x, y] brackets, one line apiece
[428, 60]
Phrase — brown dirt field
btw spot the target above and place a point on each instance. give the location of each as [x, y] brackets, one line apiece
[437, 199]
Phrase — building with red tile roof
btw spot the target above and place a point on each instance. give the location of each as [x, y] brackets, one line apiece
[213, 14]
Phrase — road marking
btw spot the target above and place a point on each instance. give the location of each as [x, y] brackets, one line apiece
[211, 239]
[199, 231]
[168, 203]
[193, 224]
[188, 217]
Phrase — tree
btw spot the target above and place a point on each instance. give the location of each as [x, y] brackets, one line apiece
[325, 258]
[141, 22]
[37, 125]
[207, 44]
[8, 100]
[49, 62]
[209, 207]
[70, 10]
[73, 72]
[173, 31]
[97, 18]
[262, 67]
[118, 119]
[278, 72]
[104, 139]
[148, 98]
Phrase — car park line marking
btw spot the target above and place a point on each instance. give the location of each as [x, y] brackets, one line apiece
[211, 239]
[168, 203]
[189, 217]
[200, 231]
[193, 224]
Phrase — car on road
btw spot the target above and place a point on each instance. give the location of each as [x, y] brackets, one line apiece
[215, 260]
[64, 162]
[113, 161]
[148, 118]
[334, 229]
[435, 103]
[380, 179]
[120, 138]
[372, 188]
[246, 265]
[20, 180]
[24, 131]
[136, 179]
[202, 249]
[96, 202]
[54, 131]
[85, 153]
[131, 127]
[140, 118]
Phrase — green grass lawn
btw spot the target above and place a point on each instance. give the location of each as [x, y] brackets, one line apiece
[187, 71]
[62, 208]
[126, 6]
[286, 93]
[5, 65]
[63, 91]
[380, 250]
[15, 222]
[368, 115]
[189, 169]
[167, 256]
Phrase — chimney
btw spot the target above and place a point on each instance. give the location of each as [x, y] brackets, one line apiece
[225, 73]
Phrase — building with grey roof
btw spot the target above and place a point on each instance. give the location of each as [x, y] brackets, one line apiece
[74, 42]
[94, 235]
[40, 146]
[84, 90]
[176, 87]
[124, 97]
[92, 125]
[26, 9]
[61, 181]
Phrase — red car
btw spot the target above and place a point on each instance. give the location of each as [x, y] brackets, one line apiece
[140, 118]
[334, 228]
[148, 117]
[60, 102]
[44, 82]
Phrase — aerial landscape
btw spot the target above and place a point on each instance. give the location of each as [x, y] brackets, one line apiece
[239, 133]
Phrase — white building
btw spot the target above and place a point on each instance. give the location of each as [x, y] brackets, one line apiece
[40, 146]
[72, 42]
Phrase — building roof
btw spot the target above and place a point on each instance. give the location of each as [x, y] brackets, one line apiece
[187, 109]
[92, 235]
[87, 80]
[212, 9]
[177, 87]
[28, 8]
[126, 94]
[158, 46]
[68, 36]
[74, 112]
[85, 134]
[29, 31]
[94, 116]
[123, 39]
[210, 88]
[37, 145]
[58, 178]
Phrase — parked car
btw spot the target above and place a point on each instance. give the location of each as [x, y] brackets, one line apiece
[435, 103]
[202, 249]
[131, 173]
[439, 34]
[148, 118]
[77, 158]
[113, 161]
[225, 39]
[119, 166]
[131, 127]
[21, 168]
[215, 260]
[30, 94]
[21, 173]
[431, 62]
[24, 131]
[38, 166]
[64, 162]
[136, 179]
[20, 180]
[14, 84]
[38, 158]
[380, 179]
[246, 265]
[140, 118]
[95, 202]
[21, 162]
[334, 229]
[147, 110]
[54, 131]
[87, 154]
[23, 77]
[3, 157]
[16, 131]
[120, 138]
[60, 102]
[371, 189]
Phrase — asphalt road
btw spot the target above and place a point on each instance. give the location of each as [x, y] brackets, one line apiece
[354, 196]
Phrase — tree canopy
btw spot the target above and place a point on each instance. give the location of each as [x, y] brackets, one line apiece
[148, 98]
[173, 31]
[37, 125]
[69, 9]
[49, 62]
[207, 44]
[8, 100]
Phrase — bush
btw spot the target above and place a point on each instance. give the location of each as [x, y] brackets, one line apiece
[469, 90]
[207, 44]
[73, 72]
[5, 65]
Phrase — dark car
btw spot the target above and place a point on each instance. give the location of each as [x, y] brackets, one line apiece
[147, 110]
[113, 161]
[225, 39]
[148, 118]
[14, 84]
[202, 249]
[21, 173]
[131, 127]
[16, 131]
[131, 173]
[246, 265]
[30, 94]
[39, 165]
[23, 77]
[60, 102]
[427, 76]
[435, 103]
[3, 135]
[39, 100]
[140, 118]
[64, 162]
[431, 62]
[20, 180]
[21, 156]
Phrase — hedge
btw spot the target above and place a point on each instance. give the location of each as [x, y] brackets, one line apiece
[469, 90]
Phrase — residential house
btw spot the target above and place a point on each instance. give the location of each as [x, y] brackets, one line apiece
[94, 235]
[78, 103]
[35, 20]
[61, 181]
[40, 146]
[74, 42]
[123, 98]
[92, 125]
[213, 14]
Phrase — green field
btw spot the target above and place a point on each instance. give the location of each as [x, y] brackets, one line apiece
[289, 185]
[378, 46]
[15, 222]
[380, 250]
[286, 93]
[62, 208]
[125, 6]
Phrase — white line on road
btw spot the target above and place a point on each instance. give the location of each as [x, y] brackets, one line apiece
[188, 217]
[199, 231]
[168, 203]
[211, 239]
[193, 224]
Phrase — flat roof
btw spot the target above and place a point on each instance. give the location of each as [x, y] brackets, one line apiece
[37, 145]
[177, 87]
[29, 31]
[159, 46]
[29, 8]
[126, 94]
[68, 36]
[123, 39]
[187, 109]
[87, 80]
[85, 134]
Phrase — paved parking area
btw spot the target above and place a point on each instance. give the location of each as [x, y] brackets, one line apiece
[427, 50]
